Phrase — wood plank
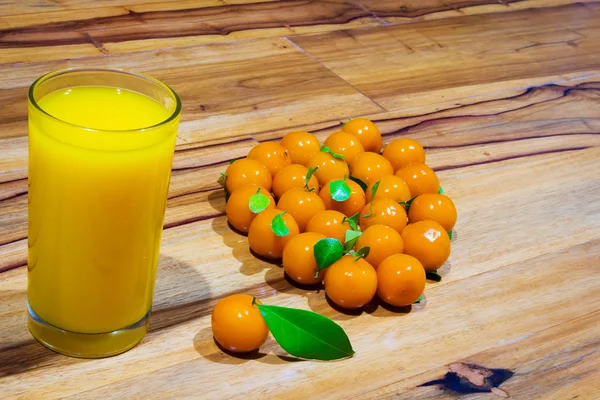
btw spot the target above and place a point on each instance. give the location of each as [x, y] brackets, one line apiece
[189, 358]
[85, 28]
[544, 364]
[440, 60]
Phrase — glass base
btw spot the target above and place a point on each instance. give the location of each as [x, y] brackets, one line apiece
[86, 345]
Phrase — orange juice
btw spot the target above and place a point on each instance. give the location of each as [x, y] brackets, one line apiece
[99, 165]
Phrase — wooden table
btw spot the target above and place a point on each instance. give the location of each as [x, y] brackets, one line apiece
[504, 94]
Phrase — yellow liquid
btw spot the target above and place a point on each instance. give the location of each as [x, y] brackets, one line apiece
[96, 207]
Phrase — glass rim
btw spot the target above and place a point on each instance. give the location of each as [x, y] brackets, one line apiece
[175, 114]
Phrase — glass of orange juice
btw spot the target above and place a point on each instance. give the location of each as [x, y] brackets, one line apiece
[101, 144]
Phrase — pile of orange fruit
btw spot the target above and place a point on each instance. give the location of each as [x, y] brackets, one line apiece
[385, 207]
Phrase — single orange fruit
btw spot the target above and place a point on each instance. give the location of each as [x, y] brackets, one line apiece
[383, 241]
[329, 167]
[330, 223]
[238, 209]
[366, 131]
[302, 205]
[237, 324]
[349, 207]
[419, 178]
[272, 155]
[371, 167]
[346, 144]
[301, 146]
[247, 172]
[299, 259]
[433, 206]
[404, 151]
[400, 280]
[390, 187]
[350, 283]
[261, 238]
[428, 242]
[383, 212]
[293, 176]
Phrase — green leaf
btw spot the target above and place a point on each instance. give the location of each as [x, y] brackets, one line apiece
[441, 190]
[258, 202]
[374, 189]
[408, 202]
[278, 225]
[450, 234]
[420, 299]
[327, 251]
[340, 191]
[366, 215]
[309, 174]
[326, 149]
[231, 162]
[360, 183]
[351, 239]
[306, 334]
[433, 276]
[353, 221]
[222, 179]
[363, 252]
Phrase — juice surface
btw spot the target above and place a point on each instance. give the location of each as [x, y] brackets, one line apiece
[96, 216]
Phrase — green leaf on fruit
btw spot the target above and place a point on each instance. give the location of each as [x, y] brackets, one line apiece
[278, 225]
[231, 162]
[374, 189]
[363, 252]
[360, 183]
[306, 334]
[450, 234]
[309, 174]
[326, 149]
[441, 190]
[222, 179]
[351, 239]
[353, 221]
[433, 276]
[407, 203]
[420, 299]
[340, 191]
[327, 251]
[258, 202]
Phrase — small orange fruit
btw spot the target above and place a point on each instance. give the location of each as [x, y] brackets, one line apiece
[238, 209]
[383, 241]
[302, 205]
[329, 167]
[272, 155]
[350, 283]
[404, 151]
[299, 259]
[349, 207]
[330, 223]
[419, 178]
[433, 206]
[390, 187]
[261, 238]
[383, 212]
[428, 242]
[400, 280]
[366, 131]
[301, 146]
[237, 324]
[293, 176]
[247, 172]
[346, 144]
[371, 167]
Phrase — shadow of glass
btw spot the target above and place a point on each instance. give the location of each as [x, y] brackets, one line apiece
[181, 294]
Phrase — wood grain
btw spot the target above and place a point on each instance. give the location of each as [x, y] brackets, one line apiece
[504, 95]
